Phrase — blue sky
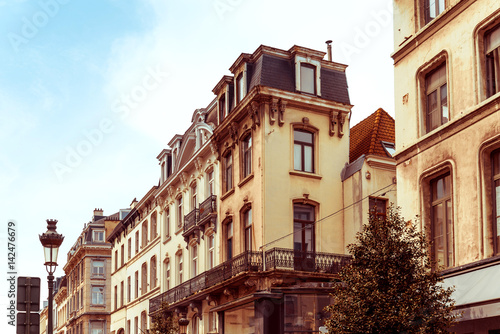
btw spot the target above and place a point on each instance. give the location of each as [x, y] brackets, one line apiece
[114, 81]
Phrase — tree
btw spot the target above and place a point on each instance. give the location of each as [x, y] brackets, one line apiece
[164, 321]
[390, 286]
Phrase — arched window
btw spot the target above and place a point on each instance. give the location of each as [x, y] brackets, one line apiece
[144, 234]
[152, 275]
[153, 226]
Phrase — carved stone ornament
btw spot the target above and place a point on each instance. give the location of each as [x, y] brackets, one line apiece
[233, 131]
[281, 118]
[333, 122]
[213, 149]
[341, 118]
[212, 300]
[251, 282]
[170, 191]
[230, 293]
[255, 114]
[273, 110]
[198, 162]
[184, 178]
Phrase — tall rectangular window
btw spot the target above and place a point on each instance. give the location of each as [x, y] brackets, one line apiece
[210, 182]
[97, 268]
[129, 248]
[129, 289]
[211, 254]
[144, 278]
[228, 172]
[136, 284]
[136, 242]
[229, 241]
[246, 153]
[432, 9]
[179, 268]
[247, 219]
[122, 257]
[442, 221]
[240, 88]
[166, 223]
[144, 234]
[308, 78]
[153, 226]
[194, 261]
[194, 195]
[180, 213]
[116, 260]
[97, 295]
[495, 157]
[303, 151]
[436, 89]
[492, 39]
[222, 107]
[167, 275]
[152, 275]
[116, 297]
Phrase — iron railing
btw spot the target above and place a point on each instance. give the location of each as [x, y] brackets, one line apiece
[276, 258]
[207, 207]
[190, 220]
[282, 258]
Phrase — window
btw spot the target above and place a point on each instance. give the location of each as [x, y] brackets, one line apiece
[136, 325]
[152, 275]
[229, 241]
[210, 245]
[128, 327]
[136, 284]
[228, 172]
[432, 9]
[195, 323]
[222, 107]
[129, 289]
[442, 221]
[129, 248]
[308, 78]
[98, 236]
[495, 157]
[247, 220]
[82, 271]
[180, 213]
[143, 322]
[303, 227]
[303, 148]
[194, 194]
[436, 93]
[194, 261]
[98, 268]
[144, 278]
[246, 156]
[122, 249]
[304, 313]
[81, 297]
[116, 297]
[121, 293]
[210, 182]
[136, 242]
[97, 295]
[240, 88]
[166, 223]
[97, 327]
[144, 234]
[153, 226]
[378, 207]
[212, 321]
[116, 260]
[167, 274]
[179, 268]
[492, 39]
[390, 148]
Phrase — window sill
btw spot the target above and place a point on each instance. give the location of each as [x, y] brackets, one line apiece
[167, 239]
[227, 194]
[245, 180]
[306, 174]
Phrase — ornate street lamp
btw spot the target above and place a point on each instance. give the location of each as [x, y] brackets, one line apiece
[51, 240]
[183, 323]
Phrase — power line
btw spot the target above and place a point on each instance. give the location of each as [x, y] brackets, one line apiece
[330, 215]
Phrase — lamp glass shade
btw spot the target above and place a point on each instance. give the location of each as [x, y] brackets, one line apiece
[50, 254]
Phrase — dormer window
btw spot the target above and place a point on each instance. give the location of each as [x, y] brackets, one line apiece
[222, 108]
[389, 148]
[308, 78]
[98, 236]
[240, 88]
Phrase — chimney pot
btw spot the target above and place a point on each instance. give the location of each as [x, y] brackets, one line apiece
[329, 49]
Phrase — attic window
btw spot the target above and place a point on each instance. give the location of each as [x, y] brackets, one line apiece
[98, 236]
[389, 148]
[308, 78]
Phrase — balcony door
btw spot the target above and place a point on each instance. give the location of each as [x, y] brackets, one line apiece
[303, 237]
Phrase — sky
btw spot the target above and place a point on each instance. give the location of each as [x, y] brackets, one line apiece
[92, 91]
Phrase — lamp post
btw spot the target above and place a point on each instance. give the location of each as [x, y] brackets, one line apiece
[51, 240]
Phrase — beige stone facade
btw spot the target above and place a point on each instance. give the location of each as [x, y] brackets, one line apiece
[447, 129]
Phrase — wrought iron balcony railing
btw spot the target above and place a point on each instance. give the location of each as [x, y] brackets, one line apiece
[276, 258]
[190, 220]
[207, 208]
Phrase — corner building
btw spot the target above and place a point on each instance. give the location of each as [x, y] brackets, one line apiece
[447, 98]
[280, 139]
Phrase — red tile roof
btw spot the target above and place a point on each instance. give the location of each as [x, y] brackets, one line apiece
[366, 136]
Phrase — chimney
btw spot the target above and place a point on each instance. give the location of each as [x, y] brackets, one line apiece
[329, 49]
[98, 214]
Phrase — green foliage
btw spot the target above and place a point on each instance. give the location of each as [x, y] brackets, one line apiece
[390, 286]
[164, 321]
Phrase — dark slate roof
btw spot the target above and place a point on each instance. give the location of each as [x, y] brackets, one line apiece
[366, 137]
[276, 72]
